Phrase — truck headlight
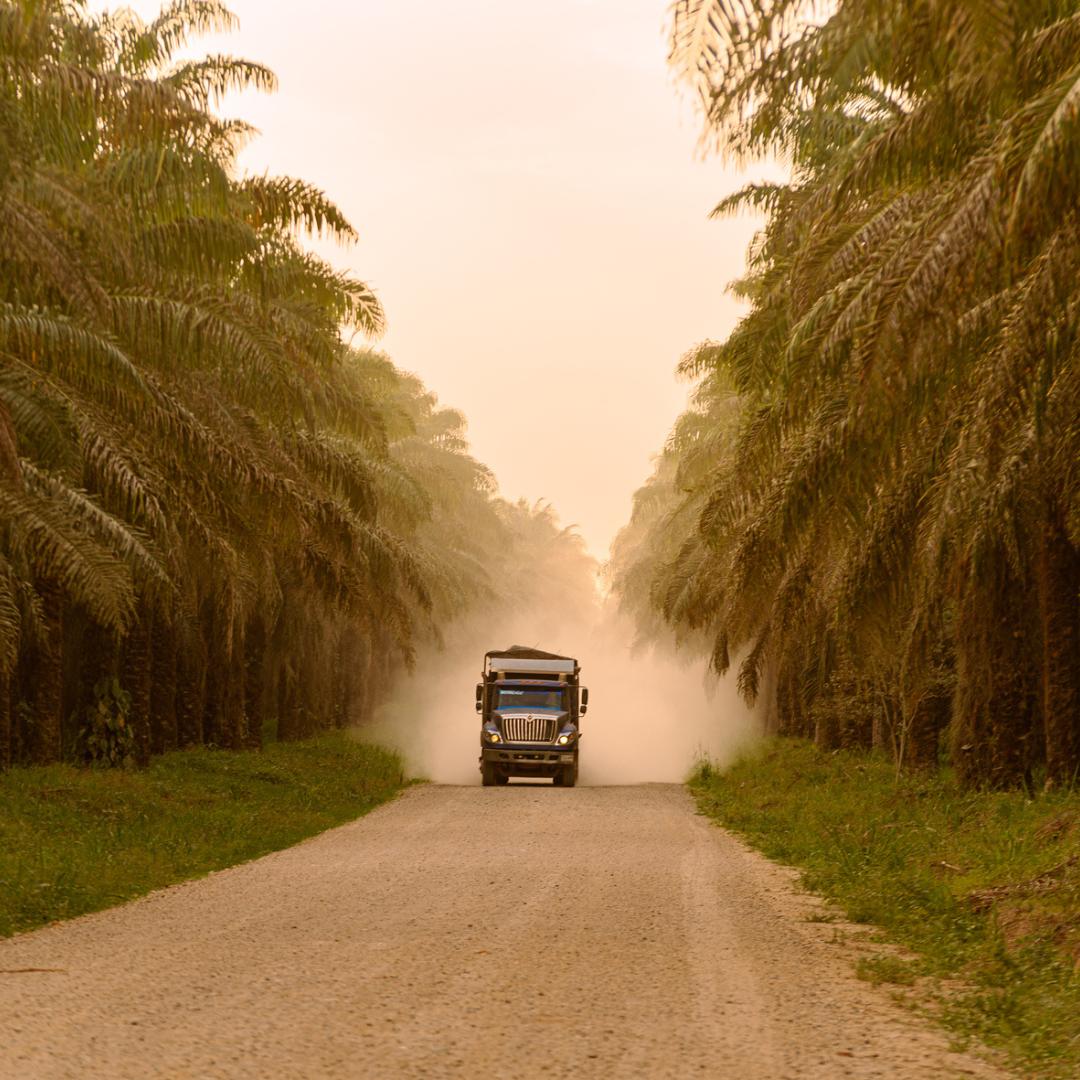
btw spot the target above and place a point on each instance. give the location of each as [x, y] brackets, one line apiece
[493, 736]
[564, 739]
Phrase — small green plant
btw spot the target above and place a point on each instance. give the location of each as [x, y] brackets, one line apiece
[702, 772]
[885, 969]
[106, 735]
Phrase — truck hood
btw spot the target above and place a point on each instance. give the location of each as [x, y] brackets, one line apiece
[533, 714]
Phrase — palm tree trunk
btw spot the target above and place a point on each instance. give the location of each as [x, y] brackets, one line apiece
[5, 721]
[213, 724]
[306, 690]
[351, 674]
[254, 681]
[880, 731]
[47, 703]
[997, 710]
[191, 687]
[234, 691]
[163, 703]
[137, 661]
[363, 662]
[339, 677]
[288, 706]
[98, 655]
[929, 717]
[827, 734]
[277, 676]
[1059, 604]
[318, 683]
[793, 711]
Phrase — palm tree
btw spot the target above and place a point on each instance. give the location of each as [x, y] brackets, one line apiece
[203, 491]
[900, 510]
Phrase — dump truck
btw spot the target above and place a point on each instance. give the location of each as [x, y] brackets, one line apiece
[530, 704]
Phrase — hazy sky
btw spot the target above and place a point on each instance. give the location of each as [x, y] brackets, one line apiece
[532, 213]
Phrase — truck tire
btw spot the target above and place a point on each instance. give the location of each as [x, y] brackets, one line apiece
[487, 774]
[502, 777]
[566, 776]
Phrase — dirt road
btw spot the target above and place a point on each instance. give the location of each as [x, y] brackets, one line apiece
[467, 932]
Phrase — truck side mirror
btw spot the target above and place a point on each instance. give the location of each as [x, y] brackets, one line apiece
[479, 697]
[584, 700]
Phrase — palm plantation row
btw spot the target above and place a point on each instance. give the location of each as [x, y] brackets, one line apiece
[872, 508]
[215, 517]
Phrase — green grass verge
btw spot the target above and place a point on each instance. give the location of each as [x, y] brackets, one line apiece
[984, 887]
[77, 840]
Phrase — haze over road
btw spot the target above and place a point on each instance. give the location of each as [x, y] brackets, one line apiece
[466, 932]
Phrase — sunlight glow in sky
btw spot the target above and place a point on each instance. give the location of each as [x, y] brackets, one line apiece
[532, 213]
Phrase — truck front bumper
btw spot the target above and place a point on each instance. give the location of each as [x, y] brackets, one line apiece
[528, 757]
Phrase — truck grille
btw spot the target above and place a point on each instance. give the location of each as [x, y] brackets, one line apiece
[530, 729]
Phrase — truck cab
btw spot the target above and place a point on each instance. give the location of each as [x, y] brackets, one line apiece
[530, 703]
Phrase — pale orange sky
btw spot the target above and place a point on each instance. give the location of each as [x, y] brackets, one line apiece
[532, 213]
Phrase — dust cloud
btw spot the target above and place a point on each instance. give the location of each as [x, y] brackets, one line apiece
[650, 716]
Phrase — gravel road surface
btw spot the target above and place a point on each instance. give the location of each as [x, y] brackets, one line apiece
[523, 931]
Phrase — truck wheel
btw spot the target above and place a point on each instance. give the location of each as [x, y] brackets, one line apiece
[487, 774]
[502, 778]
[569, 776]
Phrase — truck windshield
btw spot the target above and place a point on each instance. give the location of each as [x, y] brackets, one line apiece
[529, 697]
